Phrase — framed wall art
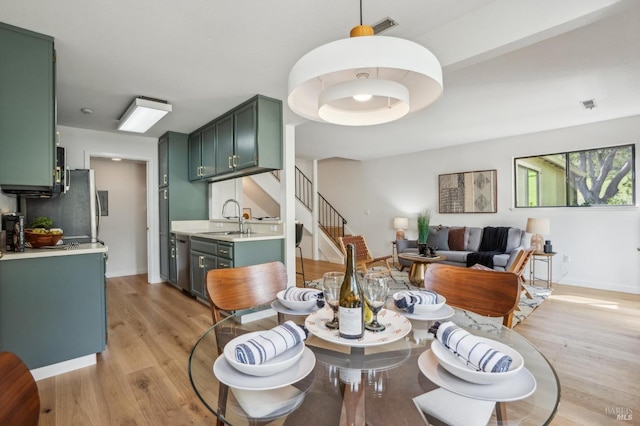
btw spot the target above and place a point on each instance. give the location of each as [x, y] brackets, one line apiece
[468, 192]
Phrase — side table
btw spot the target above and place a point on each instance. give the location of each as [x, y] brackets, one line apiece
[419, 266]
[394, 254]
[545, 258]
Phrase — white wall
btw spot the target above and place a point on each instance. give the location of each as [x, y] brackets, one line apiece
[82, 144]
[600, 242]
[124, 229]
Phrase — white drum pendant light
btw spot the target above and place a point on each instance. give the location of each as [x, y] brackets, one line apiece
[364, 80]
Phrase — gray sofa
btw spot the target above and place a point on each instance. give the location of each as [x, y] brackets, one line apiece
[464, 240]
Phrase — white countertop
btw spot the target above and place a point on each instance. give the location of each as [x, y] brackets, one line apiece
[31, 253]
[213, 229]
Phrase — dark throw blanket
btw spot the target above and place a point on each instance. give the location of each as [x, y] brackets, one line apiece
[494, 241]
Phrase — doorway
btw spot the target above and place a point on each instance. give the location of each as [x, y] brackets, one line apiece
[122, 189]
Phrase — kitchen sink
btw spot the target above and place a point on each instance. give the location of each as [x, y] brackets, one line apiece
[227, 233]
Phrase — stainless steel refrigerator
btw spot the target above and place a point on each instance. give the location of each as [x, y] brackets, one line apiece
[76, 212]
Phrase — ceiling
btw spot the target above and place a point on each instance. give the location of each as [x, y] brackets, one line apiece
[509, 66]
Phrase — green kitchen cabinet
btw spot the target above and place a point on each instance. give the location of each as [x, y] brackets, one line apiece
[256, 143]
[195, 156]
[244, 141]
[202, 162]
[53, 309]
[178, 199]
[207, 254]
[27, 108]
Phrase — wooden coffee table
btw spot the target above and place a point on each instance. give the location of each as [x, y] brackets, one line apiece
[419, 266]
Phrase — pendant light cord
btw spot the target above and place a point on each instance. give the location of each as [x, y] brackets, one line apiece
[360, 12]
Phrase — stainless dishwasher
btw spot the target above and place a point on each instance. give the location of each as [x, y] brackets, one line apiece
[182, 262]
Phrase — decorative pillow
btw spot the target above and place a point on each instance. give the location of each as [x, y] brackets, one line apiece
[438, 237]
[456, 238]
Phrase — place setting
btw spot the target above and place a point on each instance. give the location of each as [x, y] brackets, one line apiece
[265, 360]
[474, 366]
[421, 305]
[298, 301]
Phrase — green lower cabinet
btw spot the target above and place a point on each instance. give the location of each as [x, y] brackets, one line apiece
[53, 309]
[207, 254]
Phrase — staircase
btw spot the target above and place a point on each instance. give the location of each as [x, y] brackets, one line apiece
[330, 221]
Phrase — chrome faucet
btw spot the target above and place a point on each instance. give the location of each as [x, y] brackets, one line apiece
[239, 216]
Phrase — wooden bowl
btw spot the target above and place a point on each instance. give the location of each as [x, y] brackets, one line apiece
[41, 240]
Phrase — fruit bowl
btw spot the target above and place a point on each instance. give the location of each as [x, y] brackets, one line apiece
[42, 238]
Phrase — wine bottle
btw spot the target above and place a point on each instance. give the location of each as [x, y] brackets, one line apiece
[351, 307]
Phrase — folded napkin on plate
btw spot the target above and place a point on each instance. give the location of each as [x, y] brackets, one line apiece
[270, 344]
[407, 299]
[301, 294]
[472, 350]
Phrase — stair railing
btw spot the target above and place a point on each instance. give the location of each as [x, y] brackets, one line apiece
[329, 219]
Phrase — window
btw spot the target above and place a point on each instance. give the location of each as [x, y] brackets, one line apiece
[594, 177]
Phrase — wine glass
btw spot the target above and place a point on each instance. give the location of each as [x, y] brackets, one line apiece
[331, 283]
[375, 291]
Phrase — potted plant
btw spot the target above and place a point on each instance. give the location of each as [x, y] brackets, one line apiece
[423, 231]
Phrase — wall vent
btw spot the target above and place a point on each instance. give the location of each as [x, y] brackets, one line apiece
[590, 104]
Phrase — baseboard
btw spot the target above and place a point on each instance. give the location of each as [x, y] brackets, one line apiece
[63, 367]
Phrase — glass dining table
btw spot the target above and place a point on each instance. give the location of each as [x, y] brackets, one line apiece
[386, 379]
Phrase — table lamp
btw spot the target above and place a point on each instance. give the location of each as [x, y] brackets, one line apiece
[400, 223]
[538, 227]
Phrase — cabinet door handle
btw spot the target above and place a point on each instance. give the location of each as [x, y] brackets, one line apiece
[223, 251]
[230, 166]
[173, 252]
[201, 261]
[165, 194]
[235, 161]
[58, 178]
[164, 179]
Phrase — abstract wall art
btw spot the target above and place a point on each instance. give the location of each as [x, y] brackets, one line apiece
[468, 192]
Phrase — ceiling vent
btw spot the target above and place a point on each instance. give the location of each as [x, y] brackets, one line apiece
[590, 104]
[384, 25]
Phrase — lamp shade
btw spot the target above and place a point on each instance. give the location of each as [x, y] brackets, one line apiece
[142, 114]
[397, 76]
[538, 226]
[401, 223]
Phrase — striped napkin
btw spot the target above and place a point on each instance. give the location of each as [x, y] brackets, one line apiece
[407, 299]
[296, 294]
[270, 344]
[472, 350]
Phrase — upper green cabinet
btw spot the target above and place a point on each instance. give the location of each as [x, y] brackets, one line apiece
[202, 161]
[27, 108]
[247, 140]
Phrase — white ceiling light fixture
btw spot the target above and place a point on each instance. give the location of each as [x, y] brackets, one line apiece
[330, 83]
[142, 114]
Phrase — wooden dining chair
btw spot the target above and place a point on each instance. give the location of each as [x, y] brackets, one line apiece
[233, 289]
[489, 293]
[19, 398]
[364, 258]
[245, 287]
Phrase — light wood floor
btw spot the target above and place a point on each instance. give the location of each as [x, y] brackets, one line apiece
[591, 337]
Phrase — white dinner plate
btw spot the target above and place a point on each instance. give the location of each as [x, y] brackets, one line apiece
[443, 313]
[519, 387]
[231, 377]
[397, 326]
[279, 307]
[456, 366]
